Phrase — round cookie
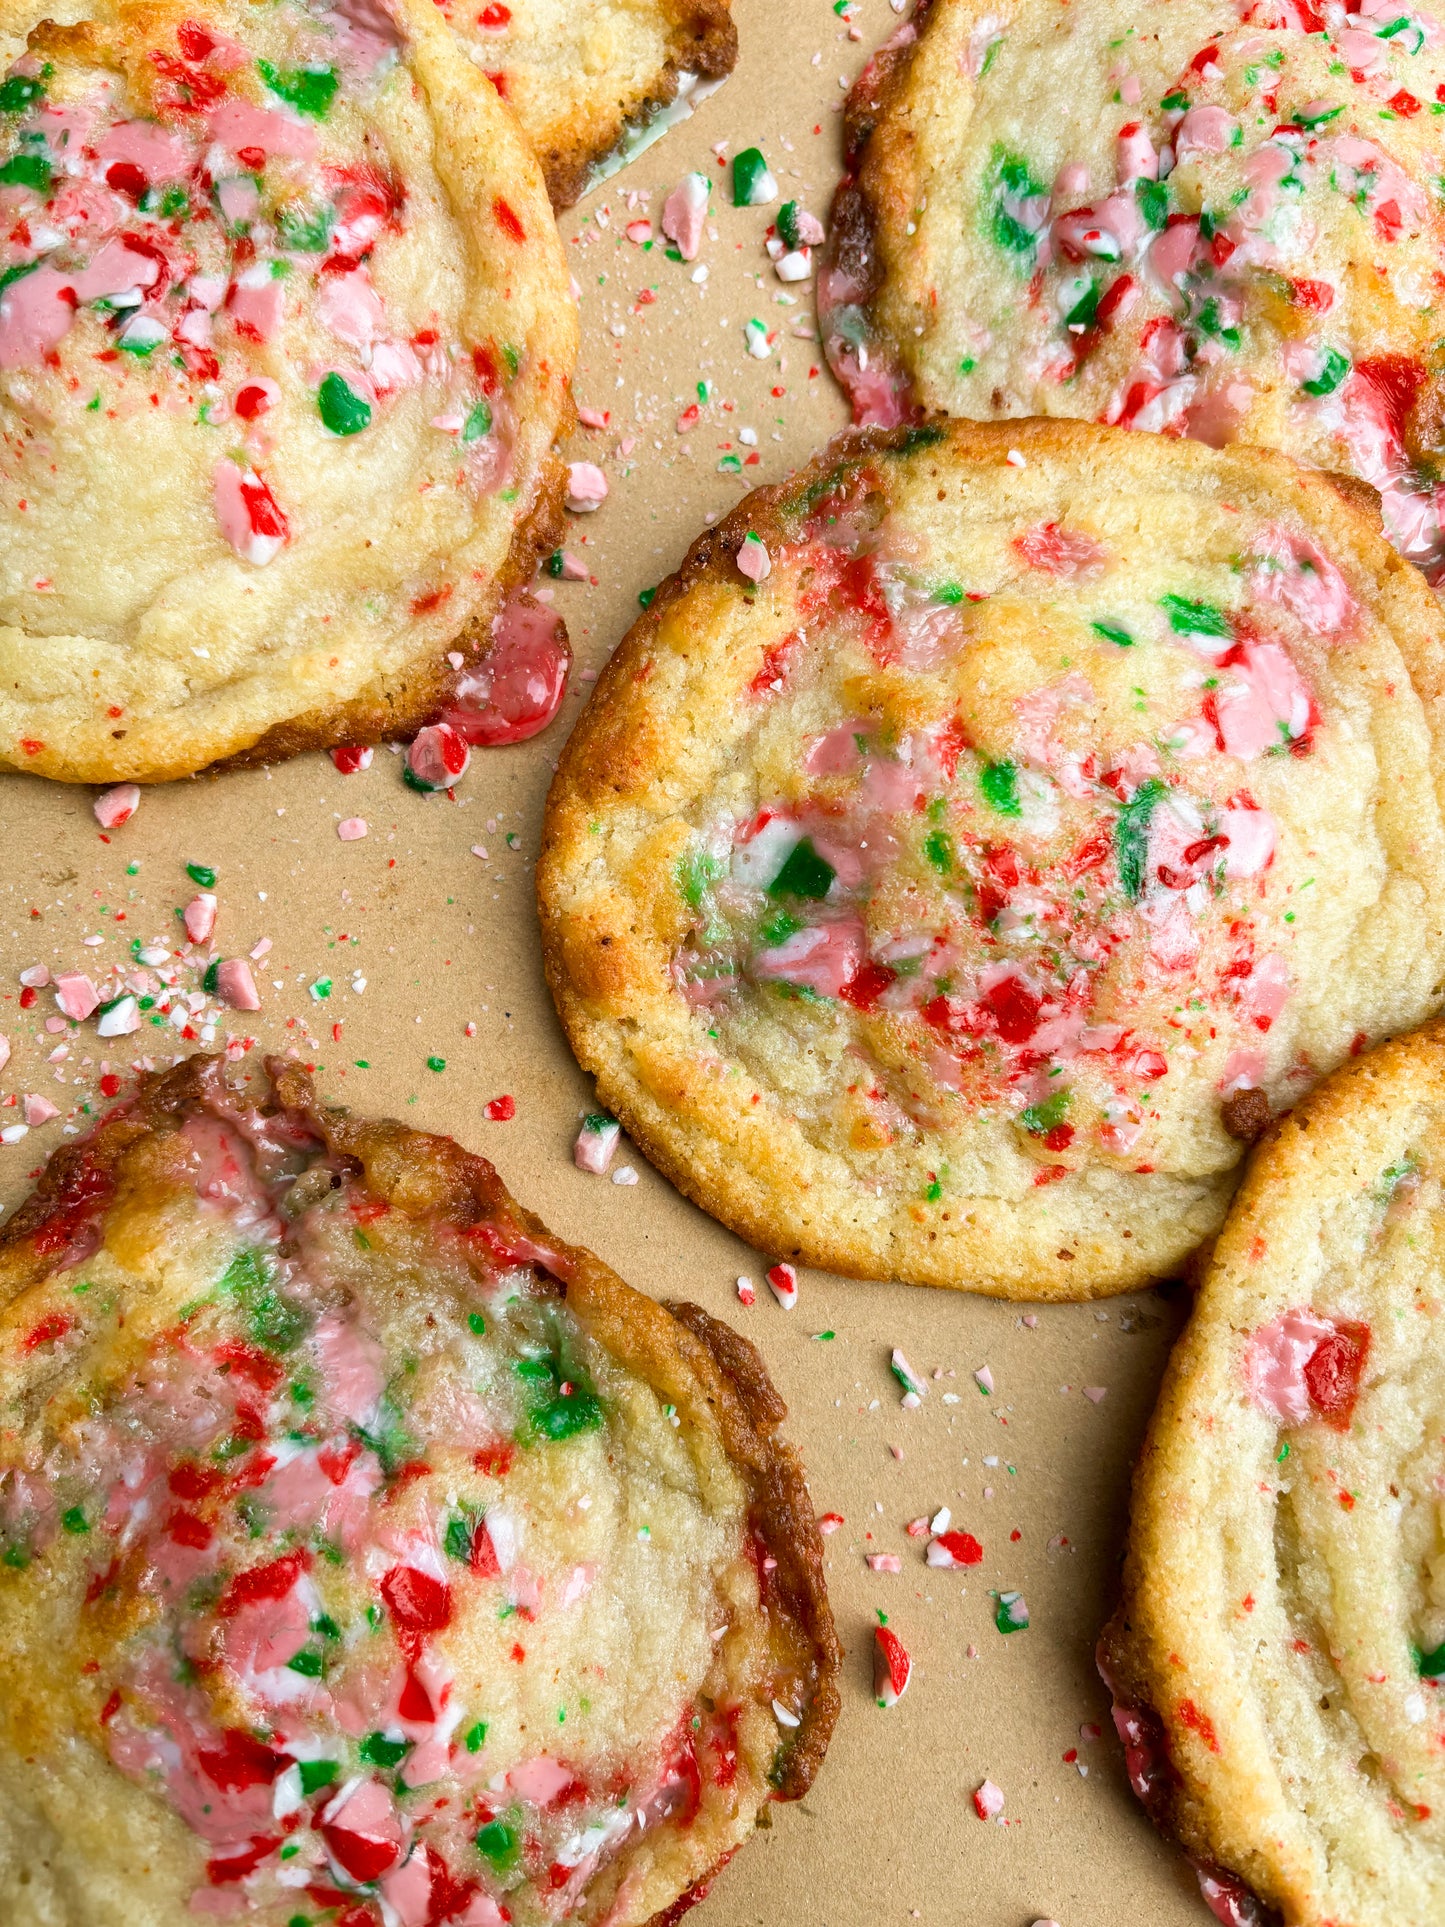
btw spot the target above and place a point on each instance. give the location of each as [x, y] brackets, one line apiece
[285, 344]
[1188, 216]
[984, 831]
[365, 1548]
[1278, 1661]
[582, 76]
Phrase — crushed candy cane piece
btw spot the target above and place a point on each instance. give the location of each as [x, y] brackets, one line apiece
[1095, 1394]
[235, 985]
[684, 213]
[753, 182]
[892, 1667]
[501, 1110]
[199, 916]
[4, 1051]
[119, 1019]
[830, 1523]
[438, 758]
[586, 487]
[941, 1520]
[988, 1800]
[351, 829]
[116, 806]
[38, 1110]
[592, 417]
[949, 1550]
[795, 265]
[1012, 1615]
[13, 1133]
[913, 1386]
[983, 1379]
[746, 1294]
[784, 1715]
[884, 1562]
[917, 1528]
[351, 757]
[76, 995]
[783, 1281]
[758, 341]
[596, 1143]
[637, 232]
[624, 1174]
[36, 977]
[753, 559]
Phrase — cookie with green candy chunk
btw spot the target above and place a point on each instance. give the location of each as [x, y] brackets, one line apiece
[286, 343]
[1179, 216]
[952, 900]
[358, 1535]
[1276, 1661]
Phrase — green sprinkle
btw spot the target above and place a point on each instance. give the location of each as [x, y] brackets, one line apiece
[1282, 1454]
[476, 1323]
[75, 1520]
[696, 869]
[644, 597]
[554, 564]
[1432, 1665]
[999, 783]
[436, 1063]
[342, 410]
[1113, 632]
[951, 593]
[565, 1416]
[804, 874]
[478, 423]
[968, 364]
[310, 90]
[377, 1750]
[475, 1737]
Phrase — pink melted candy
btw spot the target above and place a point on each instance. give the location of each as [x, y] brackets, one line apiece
[237, 124]
[248, 515]
[824, 957]
[159, 154]
[1302, 1366]
[519, 687]
[1262, 702]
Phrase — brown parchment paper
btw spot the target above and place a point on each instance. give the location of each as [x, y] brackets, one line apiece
[443, 938]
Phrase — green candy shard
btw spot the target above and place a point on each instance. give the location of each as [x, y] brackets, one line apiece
[210, 983]
[565, 1416]
[751, 180]
[26, 170]
[389, 1438]
[696, 869]
[377, 1750]
[306, 231]
[308, 1662]
[273, 1321]
[19, 92]
[1131, 837]
[1153, 199]
[478, 422]
[16, 273]
[1113, 632]
[316, 1774]
[310, 90]
[75, 1520]
[938, 848]
[950, 593]
[201, 873]
[1011, 1614]
[1187, 618]
[999, 783]
[778, 928]
[1009, 178]
[1085, 311]
[804, 874]
[1039, 1119]
[1432, 1665]
[342, 410]
[457, 1540]
[788, 223]
[1332, 373]
[475, 1737]
[498, 1842]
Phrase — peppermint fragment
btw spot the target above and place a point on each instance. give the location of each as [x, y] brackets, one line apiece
[235, 985]
[119, 1018]
[892, 1667]
[438, 758]
[914, 1389]
[783, 1282]
[758, 341]
[586, 487]
[988, 1800]
[596, 1143]
[76, 996]
[1011, 1615]
[199, 916]
[753, 559]
[753, 183]
[746, 1294]
[342, 410]
[684, 212]
[116, 806]
[950, 1550]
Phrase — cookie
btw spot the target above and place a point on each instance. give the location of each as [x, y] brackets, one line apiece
[285, 344]
[367, 1548]
[586, 78]
[1188, 217]
[1279, 1657]
[985, 832]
